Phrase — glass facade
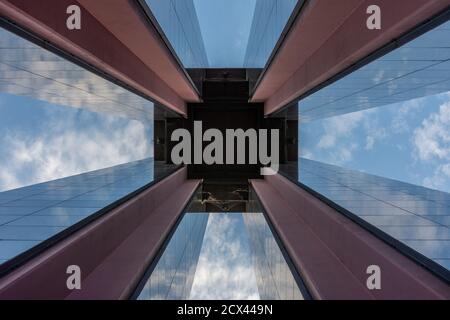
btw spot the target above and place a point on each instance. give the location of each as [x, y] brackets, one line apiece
[71, 146]
[202, 32]
[173, 276]
[269, 20]
[30, 71]
[274, 277]
[58, 119]
[31, 215]
[416, 216]
[417, 69]
[375, 144]
[178, 19]
[225, 270]
[273, 274]
[224, 256]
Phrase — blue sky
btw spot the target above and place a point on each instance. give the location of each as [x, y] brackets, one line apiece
[40, 141]
[225, 268]
[407, 141]
[42, 138]
[225, 27]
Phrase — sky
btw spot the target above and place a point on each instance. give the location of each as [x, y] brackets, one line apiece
[225, 268]
[225, 27]
[235, 250]
[238, 248]
[40, 141]
[407, 141]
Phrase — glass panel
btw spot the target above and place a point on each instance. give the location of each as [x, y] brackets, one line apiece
[417, 216]
[70, 144]
[178, 19]
[418, 69]
[33, 214]
[222, 256]
[269, 20]
[377, 143]
[203, 32]
[58, 119]
[29, 73]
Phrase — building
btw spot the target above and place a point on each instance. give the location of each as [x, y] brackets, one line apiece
[173, 276]
[179, 22]
[269, 20]
[360, 205]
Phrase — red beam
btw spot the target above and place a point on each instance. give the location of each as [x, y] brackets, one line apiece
[113, 252]
[332, 253]
[115, 38]
[330, 36]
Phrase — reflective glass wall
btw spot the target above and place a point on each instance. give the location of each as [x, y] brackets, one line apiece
[273, 275]
[376, 144]
[269, 20]
[173, 276]
[58, 119]
[35, 74]
[225, 26]
[223, 33]
[34, 214]
[71, 145]
[221, 256]
[178, 19]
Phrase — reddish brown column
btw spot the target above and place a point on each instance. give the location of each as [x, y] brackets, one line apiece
[116, 38]
[332, 253]
[330, 36]
[113, 252]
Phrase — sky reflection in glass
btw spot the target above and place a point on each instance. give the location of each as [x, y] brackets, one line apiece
[269, 20]
[417, 69]
[33, 214]
[58, 124]
[222, 33]
[58, 119]
[239, 259]
[377, 143]
[179, 21]
[28, 70]
[417, 216]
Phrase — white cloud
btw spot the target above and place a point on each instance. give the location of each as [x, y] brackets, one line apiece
[8, 180]
[66, 149]
[305, 153]
[339, 127]
[402, 116]
[370, 142]
[432, 146]
[343, 135]
[379, 76]
[432, 139]
[339, 142]
[440, 178]
[446, 169]
[327, 141]
[374, 132]
[225, 270]
[344, 153]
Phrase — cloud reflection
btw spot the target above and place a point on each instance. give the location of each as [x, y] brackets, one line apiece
[225, 270]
